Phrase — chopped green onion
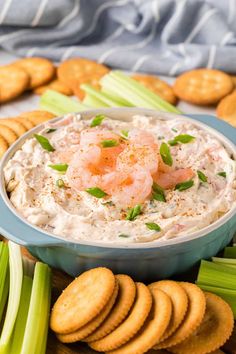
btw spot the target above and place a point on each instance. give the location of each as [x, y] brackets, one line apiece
[59, 104]
[165, 154]
[125, 133]
[202, 176]
[60, 183]
[158, 193]
[96, 192]
[153, 226]
[51, 130]
[38, 316]
[124, 87]
[174, 130]
[134, 212]
[222, 174]
[228, 295]
[123, 235]
[97, 120]
[182, 138]
[44, 142]
[61, 167]
[214, 274]
[109, 143]
[16, 276]
[184, 185]
[19, 328]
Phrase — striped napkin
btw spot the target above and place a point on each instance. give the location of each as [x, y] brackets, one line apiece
[156, 36]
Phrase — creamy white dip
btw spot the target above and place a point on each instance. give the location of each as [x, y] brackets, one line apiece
[78, 216]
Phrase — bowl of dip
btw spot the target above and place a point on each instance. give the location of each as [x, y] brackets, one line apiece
[141, 192]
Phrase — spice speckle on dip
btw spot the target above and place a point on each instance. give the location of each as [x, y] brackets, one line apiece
[114, 181]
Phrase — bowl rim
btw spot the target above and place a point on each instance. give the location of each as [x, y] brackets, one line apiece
[139, 245]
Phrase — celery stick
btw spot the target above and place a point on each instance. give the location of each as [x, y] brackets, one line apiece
[122, 101]
[4, 295]
[16, 276]
[230, 252]
[34, 341]
[4, 276]
[19, 329]
[229, 262]
[226, 294]
[138, 95]
[99, 95]
[94, 102]
[59, 104]
[214, 274]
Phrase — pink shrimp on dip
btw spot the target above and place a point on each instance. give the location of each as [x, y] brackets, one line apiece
[116, 181]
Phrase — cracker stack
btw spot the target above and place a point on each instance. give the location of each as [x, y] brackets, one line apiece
[115, 315]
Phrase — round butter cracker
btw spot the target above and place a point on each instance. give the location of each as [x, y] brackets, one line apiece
[92, 325]
[153, 328]
[226, 109]
[40, 70]
[3, 146]
[131, 325]
[203, 86]
[192, 319]
[214, 330]
[13, 82]
[124, 301]
[8, 134]
[82, 300]
[179, 302]
[158, 86]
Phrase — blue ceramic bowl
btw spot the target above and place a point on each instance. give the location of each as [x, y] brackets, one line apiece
[143, 261]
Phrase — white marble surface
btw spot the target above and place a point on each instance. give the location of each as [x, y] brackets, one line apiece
[29, 102]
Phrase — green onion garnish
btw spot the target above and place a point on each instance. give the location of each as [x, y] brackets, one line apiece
[202, 176]
[158, 193]
[134, 212]
[97, 120]
[174, 130]
[51, 130]
[222, 174]
[61, 167]
[184, 185]
[96, 192]
[165, 154]
[123, 235]
[182, 138]
[44, 142]
[125, 133]
[109, 143]
[153, 226]
[60, 183]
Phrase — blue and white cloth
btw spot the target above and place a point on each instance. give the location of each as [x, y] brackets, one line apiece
[155, 36]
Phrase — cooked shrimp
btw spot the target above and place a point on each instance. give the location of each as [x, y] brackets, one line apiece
[142, 137]
[141, 149]
[141, 155]
[96, 136]
[87, 170]
[171, 179]
[136, 187]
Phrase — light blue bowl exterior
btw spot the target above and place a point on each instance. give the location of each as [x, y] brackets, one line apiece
[144, 264]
